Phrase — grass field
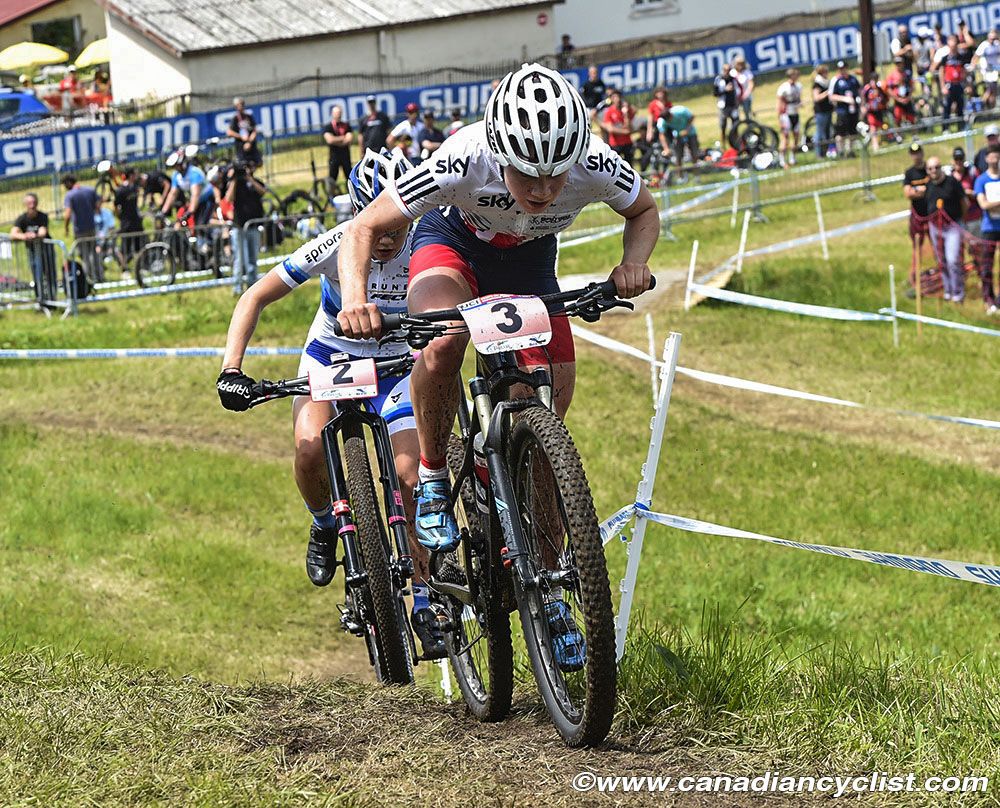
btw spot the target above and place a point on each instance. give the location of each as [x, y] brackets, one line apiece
[149, 536]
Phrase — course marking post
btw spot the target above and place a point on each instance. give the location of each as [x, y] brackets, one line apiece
[822, 228]
[743, 242]
[736, 205]
[892, 305]
[694, 260]
[445, 679]
[644, 494]
[651, 342]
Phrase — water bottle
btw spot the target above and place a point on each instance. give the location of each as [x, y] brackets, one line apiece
[482, 480]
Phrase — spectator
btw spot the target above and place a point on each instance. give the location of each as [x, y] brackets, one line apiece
[592, 91]
[243, 129]
[902, 49]
[431, 137]
[915, 189]
[987, 189]
[952, 80]
[727, 97]
[565, 58]
[966, 176]
[992, 133]
[410, 127]
[245, 194]
[822, 109]
[338, 137]
[679, 120]
[68, 89]
[80, 208]
[789, 101]
[988, 61]
[745, 77]
[127, 208]
[844, 93]
[966, 42]
[152, 184]
[924, 51]
[32, 227]
[899, 89]
[24, 80]
[947, 203]
[617, 123]
[875, 102]
[940, 42]
[455, 124]
[102, 83]
[658, 104]
[374, 127]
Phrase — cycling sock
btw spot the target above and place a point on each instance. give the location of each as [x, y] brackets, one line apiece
[430, 470]
[323, 518]
[420, 600]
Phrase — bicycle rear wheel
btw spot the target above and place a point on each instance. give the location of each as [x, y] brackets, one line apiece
[560, 530]
[154, 266]
[387, 639]
[480, 647]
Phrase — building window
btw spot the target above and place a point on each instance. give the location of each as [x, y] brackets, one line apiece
[656, 6]
[62, 33]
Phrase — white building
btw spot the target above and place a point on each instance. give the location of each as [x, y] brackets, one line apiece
[161, 49]
[598, 22]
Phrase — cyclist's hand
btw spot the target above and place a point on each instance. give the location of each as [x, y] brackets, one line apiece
[235, 390]
[631, 280]
[360, 321]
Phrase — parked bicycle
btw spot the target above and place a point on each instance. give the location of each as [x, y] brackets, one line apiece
[530, 532]
[377, 568]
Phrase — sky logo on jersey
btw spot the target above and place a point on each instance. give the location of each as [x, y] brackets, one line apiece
[600, 162]
[502, 201]
[453, 165]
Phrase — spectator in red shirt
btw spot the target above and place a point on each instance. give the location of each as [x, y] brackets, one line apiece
[875, 102]
[966, 174]
[658, 104]
[617, 122]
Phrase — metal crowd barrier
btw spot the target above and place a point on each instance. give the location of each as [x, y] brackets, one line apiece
[34, 274]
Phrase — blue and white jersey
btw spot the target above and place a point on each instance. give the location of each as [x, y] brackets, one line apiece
[386, 289]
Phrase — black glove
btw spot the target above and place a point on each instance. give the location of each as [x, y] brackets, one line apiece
[235, 390]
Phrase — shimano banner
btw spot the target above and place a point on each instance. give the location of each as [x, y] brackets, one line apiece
[27, 155]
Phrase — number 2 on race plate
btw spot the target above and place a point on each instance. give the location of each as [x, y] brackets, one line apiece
[500, 323]
[345, 380]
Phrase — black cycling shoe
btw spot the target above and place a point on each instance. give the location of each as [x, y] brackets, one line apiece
[321, 557]
[427, 627]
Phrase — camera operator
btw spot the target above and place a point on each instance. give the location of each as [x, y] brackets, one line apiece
[245, 193]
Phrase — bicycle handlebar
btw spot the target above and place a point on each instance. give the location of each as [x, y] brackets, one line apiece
[593, 300]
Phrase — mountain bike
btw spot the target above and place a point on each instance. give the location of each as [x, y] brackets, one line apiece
[377, 570]
[529, 529]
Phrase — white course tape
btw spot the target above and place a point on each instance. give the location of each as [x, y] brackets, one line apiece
[787, 306]
[615, 523]
[956, 570]
[769, 389]
[159, 290]
[136, 353]
[919, 318]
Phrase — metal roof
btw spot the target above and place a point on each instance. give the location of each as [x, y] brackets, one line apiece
[15, 9]
[192, 26]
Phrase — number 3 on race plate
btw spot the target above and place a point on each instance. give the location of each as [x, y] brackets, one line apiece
[344, 380]
[500, 323]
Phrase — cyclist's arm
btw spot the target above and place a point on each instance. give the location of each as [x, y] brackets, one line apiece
[246, 314]
[195, 196]
[358, 317]
[642, 229]
[168, 200]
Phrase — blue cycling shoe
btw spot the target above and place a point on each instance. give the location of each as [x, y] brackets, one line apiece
[568, 645]
[436, 526]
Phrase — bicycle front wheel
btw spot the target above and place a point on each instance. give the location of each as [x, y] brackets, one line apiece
[387, 639]
[154, 266]
[577, 681]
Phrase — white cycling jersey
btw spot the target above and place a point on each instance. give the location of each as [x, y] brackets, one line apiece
[988, 56]
[386, 288]
[464, 175]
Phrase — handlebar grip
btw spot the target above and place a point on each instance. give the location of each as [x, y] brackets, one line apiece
[609, 288]
[390, 322]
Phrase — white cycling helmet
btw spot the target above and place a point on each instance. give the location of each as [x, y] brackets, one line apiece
[374, 173]
[536, 122]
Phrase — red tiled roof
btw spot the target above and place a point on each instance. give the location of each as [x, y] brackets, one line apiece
[11, 10]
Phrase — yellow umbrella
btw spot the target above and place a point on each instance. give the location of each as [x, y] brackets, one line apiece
[30, 54]
[96, 53]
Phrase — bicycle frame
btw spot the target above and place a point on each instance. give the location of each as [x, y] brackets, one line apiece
[350, 420]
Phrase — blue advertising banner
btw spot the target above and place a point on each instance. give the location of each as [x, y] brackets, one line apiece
[85, 145]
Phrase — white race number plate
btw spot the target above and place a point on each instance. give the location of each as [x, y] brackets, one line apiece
[500, 323]
[346, 380]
